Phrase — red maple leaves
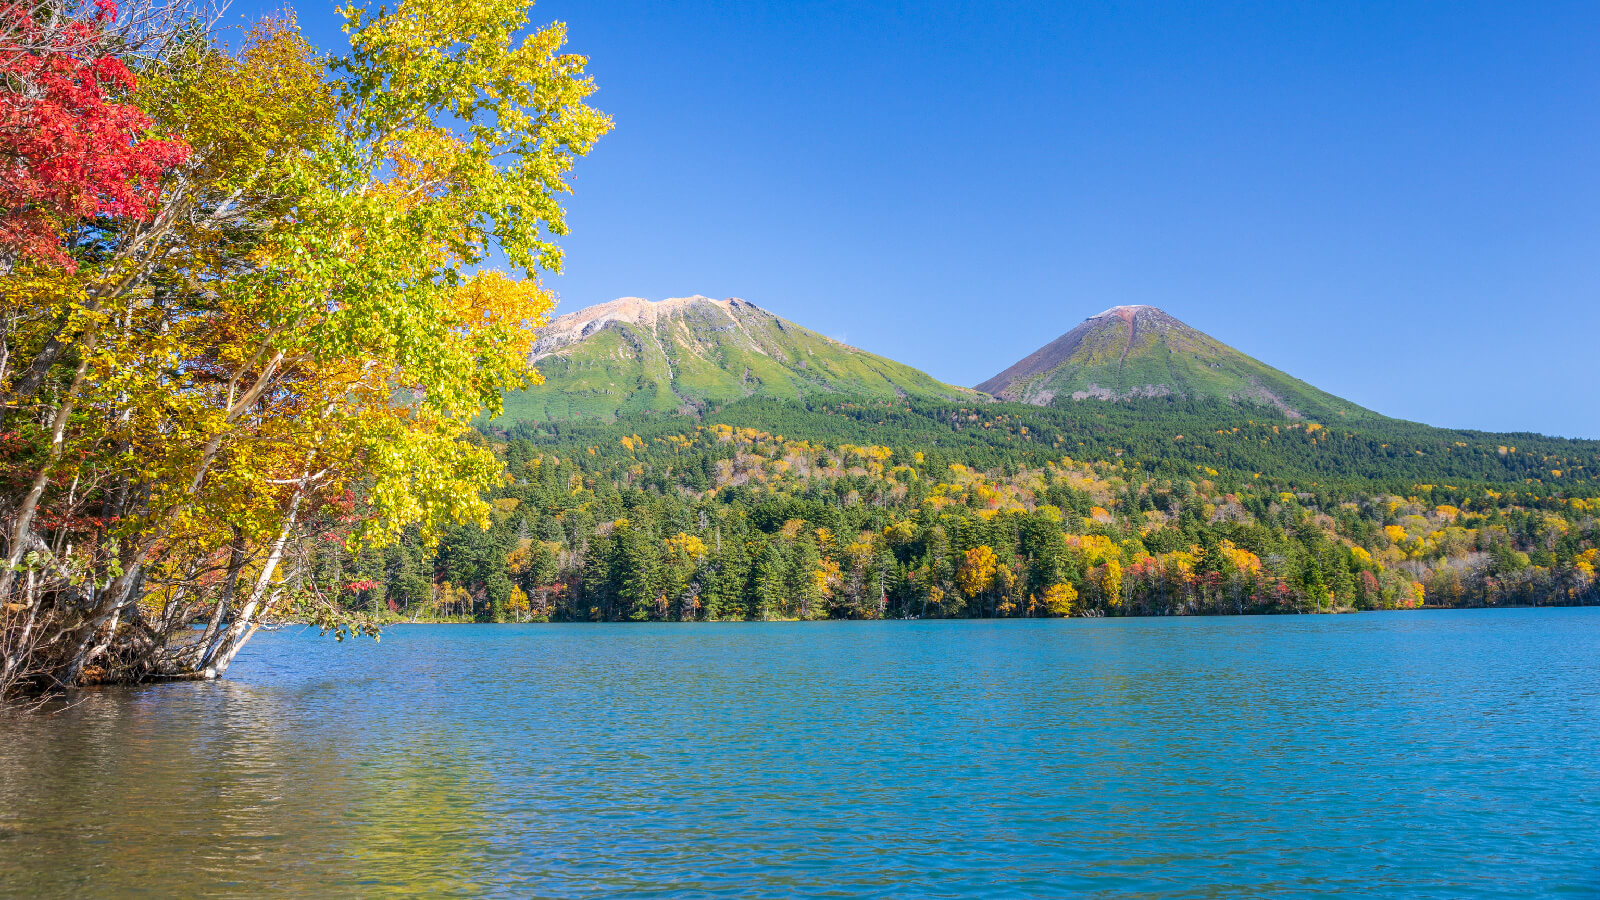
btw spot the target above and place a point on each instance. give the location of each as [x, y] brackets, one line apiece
[69, 150]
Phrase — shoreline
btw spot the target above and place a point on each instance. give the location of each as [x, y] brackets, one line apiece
[1248, 615]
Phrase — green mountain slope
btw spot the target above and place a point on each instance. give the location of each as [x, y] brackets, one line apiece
[1130, 352]
[631, 355]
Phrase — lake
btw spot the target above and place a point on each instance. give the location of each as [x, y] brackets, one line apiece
[1422, 754]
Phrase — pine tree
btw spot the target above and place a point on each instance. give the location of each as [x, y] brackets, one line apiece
[769, 582]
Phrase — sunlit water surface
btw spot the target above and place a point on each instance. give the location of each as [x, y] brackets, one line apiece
[1450, 755]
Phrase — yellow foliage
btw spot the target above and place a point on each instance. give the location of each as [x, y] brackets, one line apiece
[827, 576]
[1094, 548]
[860, 550]
[520, 557]
[686, 544]
[1004, 579]
[977, 570]
[1242, 560]
[1110, 582]
[513, 307]
[1059, 599]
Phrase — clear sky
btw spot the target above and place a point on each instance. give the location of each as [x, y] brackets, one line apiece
[1397, 202]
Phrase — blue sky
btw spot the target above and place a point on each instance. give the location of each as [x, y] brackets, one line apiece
[1397, 202]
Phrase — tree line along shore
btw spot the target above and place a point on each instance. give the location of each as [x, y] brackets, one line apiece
[984, 512]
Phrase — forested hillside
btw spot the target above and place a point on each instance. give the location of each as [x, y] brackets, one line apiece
[865, 509]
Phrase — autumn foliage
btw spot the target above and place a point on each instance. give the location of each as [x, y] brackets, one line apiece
[72, 146]
[243, 313]
[692, 518]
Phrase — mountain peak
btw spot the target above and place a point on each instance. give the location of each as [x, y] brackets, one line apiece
[683, 353]
[1125, 312]
[1128, 352]
[572, 327]
[636, 310]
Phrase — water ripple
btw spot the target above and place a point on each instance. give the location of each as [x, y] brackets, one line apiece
[1423, 755]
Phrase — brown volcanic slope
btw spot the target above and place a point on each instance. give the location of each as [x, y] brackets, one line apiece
[1140, 351]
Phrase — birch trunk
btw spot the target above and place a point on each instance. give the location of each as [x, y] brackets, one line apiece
[227, 645]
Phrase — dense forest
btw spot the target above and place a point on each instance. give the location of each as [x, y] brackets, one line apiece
[764, 509]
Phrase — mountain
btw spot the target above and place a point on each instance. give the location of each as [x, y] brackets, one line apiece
[1131, 352]
[633, 355]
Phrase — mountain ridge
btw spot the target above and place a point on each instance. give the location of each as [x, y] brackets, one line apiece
[682, 353]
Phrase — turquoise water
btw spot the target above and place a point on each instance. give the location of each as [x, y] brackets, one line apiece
[1430, 754]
